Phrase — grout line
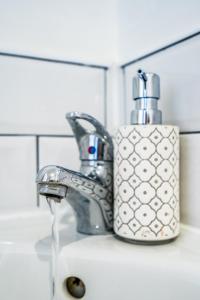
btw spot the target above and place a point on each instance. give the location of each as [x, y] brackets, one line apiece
[35, 134]
[51, 60]
[160, 49]
[105, 99]
[190, 132]
[124, 94]
[37, 153]
[37, 165]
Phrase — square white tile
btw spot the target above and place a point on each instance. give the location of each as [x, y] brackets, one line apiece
[17, 174]
[190, 179]
[59, 151]
[36, 95]
[178, 68]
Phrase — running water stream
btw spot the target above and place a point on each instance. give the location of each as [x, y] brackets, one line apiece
[55, 245]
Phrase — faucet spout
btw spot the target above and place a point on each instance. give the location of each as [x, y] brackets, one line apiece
[91, 200]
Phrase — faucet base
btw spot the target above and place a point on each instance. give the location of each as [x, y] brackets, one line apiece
[88, 214]
[93, 230]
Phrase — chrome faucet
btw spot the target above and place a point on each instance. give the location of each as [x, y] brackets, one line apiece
[89, 192]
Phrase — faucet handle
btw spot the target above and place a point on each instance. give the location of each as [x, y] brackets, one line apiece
[93, 145]
[77, 128]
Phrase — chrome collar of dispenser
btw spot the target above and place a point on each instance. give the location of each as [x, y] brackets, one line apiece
[146, 92]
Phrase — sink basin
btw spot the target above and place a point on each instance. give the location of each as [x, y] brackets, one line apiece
[114, 270]
[109, 268]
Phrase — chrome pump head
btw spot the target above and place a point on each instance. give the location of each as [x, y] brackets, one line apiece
[146, 92]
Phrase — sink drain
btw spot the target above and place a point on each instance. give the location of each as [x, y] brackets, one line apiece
[75, 287]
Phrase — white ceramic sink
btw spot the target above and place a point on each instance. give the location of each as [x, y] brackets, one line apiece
[24, 260]
[110, 269]
[114, 270]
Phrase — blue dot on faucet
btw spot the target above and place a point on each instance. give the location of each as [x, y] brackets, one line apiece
[91, 150]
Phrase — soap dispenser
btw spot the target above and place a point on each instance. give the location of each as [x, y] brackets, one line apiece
[146, 170]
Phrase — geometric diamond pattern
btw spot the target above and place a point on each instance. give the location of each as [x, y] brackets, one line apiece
[145, 192]
[146, 182]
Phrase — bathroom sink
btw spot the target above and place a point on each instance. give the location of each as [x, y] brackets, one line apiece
[25, 255]
[114, 270]
[109, 268]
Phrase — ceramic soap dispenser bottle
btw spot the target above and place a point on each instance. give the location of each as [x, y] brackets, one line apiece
[146, 170]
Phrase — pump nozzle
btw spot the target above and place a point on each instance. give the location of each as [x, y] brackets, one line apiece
[142, 75]
[146, 92]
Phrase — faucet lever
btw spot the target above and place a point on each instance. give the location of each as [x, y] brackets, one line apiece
[77, 128]
[93, 145]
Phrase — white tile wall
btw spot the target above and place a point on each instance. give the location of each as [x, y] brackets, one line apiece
[144, 26]
[17, 174]
[73, 30]
[190, 179]
[59, 151]
[178, 68]
[36, 95]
